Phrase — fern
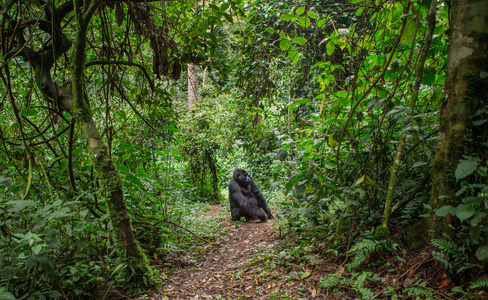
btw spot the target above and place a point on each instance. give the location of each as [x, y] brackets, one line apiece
[416, 291]
[446, 245]
[312, 259]
[330, 281]
[366, 293]
[365, 245]
[362, 250]
[480, 283]
[356, 281]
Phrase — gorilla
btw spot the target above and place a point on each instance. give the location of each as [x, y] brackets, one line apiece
[246, 200]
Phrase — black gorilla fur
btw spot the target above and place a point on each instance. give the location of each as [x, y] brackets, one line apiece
[246, 200]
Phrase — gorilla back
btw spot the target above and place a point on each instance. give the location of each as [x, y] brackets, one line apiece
[245, 198]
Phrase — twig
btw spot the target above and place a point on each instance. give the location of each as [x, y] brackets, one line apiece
[205, 240]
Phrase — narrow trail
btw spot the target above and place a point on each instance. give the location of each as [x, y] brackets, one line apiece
[238, 266]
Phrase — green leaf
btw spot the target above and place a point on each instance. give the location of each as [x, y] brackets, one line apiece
[19, 205]
[282, 154]
[37, 248]
[9, 272]
[270, 30]
[464, 211]
[321, 23]
[312, 14]
[285, 45]
[293, 54]
[300, 40]
[288, 17]
[135, 180]
[330, 48]
[61, 213]
[224, 6]
[482, 252]
[408, 33]
[7, 296]
[308, 148]
[443, 211]
[204, 27]
[29, 112]
[419, 163]
[466, 167]
[359, 12]
[122, 168]
[300, 11]
[304, 22]
[140, 171]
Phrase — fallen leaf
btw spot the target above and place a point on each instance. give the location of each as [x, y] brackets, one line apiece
[341, 271]
[305, 275]
[443, 283]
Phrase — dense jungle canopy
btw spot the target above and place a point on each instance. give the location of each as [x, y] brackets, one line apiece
[364, 124]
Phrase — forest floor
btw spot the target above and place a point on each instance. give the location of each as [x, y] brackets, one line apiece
[242, 264]
[251, 261]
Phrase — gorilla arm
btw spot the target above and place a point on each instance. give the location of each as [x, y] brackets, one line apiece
[260, 198]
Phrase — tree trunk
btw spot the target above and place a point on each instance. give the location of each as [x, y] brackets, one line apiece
[192, 85]
[466, 93]
[205, 76]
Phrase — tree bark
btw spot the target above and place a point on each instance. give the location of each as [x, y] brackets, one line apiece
[192, 85]
[465, 93]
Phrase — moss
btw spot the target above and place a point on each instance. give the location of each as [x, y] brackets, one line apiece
[381, 233]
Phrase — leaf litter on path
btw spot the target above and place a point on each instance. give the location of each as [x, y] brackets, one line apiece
[240, 265]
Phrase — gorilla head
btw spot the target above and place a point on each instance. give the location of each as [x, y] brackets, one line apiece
[242, 178]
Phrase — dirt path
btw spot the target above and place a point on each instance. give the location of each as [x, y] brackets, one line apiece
[239, 266]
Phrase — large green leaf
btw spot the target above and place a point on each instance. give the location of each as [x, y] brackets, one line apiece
[304, 22]
[330, 48]
[466, 167]
[482, 253]
[408, 33]
[444, 210]
[285, 45]
[464, 211]
[300, 40]
[312, 14]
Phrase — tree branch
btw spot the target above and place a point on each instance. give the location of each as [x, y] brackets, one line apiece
[121, 62]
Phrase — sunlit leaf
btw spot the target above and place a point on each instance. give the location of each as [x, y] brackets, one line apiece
[300, 40]
[285, 45]
[312, 14]
[330, 48]
[408, 33]
[304, 22]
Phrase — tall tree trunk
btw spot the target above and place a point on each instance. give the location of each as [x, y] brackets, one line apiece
[205, 76]
[192, 85]
[466, 93]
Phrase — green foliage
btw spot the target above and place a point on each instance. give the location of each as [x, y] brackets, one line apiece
[480, 283]
[369, 245]
[354, 281]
